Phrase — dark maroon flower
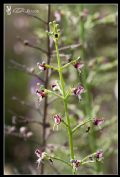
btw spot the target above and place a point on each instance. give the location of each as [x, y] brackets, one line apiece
[55, 86]
[78, 91]
[41, 94]
[42, 66]
[38, 152]
[98, 122]
[41, 155]
[75, 164]
[99, 155]
[78, 66]
[57, 121]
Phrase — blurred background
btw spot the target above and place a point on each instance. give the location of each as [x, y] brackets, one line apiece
[99, 38]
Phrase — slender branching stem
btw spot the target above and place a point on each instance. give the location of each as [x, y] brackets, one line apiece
[65, 102]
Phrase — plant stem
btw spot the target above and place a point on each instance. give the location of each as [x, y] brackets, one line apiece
[53, 93]
[46, 86]
[59, 159]
[79, 125]
[65, 102]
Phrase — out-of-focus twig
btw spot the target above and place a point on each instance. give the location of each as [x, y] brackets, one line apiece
[22, 102]
[27, 43]
[52, 101]
[54, 168]
[23, 68]
[34, 16]
[68, 47]
[24, 119]
[46, 86]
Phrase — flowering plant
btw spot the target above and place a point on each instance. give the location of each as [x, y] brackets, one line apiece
[64, 93]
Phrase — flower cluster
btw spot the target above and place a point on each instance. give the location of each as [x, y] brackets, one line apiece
[55, 32]
[76, 91]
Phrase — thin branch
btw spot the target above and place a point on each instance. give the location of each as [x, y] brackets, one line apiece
[38, 18]
[88, 157]
[22, 102]
[16, 134]
[54, 93]
[54, 168]
[71, 62]
[46, 86]
[36, 47]
[81, 124]
[61, 55]
[27, 43]
[23, 68]
[27, 120]
[68, 47]
[65, 123]
[52, 101]
[86, 162]
[57, 158]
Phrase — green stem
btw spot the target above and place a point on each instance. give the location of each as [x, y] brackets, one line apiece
[64, 123]
[73, 61]
[51, 67]
[53, 93]
[80, 125]
[56, 158]
[65, 102]
[88, 157]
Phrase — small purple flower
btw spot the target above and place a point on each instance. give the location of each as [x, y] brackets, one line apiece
[41, 94]
[99, 155]
[78, 91]
[55, 86]
[57, 120]
[38, 152]
[57, 15]
[75, 164]
[41, 66]
[78, 66]
[41, 155]
[97, 121]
